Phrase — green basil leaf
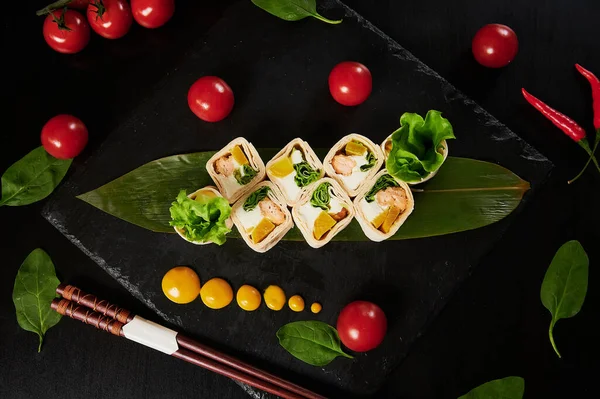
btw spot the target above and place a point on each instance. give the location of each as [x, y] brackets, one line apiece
[32, 178]
[416, 146]
[565, 284]
[313, 342]
[382, 183]
[34, 290]
[292, 10]
[504, 388]
[249, 174]
[320, 197]
[371, 160]
[305, 174]
[254, 198]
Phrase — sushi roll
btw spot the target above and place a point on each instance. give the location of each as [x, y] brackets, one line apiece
[322, 212]
[236, 169]
[294, 169]
[383, 205]
[352, 161]
[261, 216]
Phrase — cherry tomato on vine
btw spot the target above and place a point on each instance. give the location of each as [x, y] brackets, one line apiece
[361, 326]
[152, 13]
[495, 45]
[64, 136]
[210, 98]
[66, 31]
[350, 83]
[79, 4]
[110, 19]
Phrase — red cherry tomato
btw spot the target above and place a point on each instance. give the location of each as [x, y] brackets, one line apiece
[110, 18]
[152, 13]
[64, 136]
[350, 83]
[495, 45]
[210, 98]
[78, 4]
[361, 325]
[66, 31]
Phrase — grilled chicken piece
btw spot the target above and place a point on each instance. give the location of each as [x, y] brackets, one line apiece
[271, 211]
[392, 196]
[340, 215]
[343, 164]
[224, 165]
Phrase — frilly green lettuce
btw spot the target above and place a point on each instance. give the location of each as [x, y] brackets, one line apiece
[201, 221]
[416, 146]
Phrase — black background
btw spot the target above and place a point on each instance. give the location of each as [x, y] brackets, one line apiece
[494, 326]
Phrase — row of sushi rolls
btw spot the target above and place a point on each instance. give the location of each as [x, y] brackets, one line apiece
[323, 197]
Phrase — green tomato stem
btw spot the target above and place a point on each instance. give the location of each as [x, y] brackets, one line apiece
[552, 339]
[51, 7]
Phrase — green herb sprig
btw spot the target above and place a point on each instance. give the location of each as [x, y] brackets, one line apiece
[254, 198]
[320, 197]
[382, 183]
[247, 177]
[371, 160]
[305, 174]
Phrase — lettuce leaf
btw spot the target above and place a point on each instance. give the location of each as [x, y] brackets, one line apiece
[203, 220]
[416, 146]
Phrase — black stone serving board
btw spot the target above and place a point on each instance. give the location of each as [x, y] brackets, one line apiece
[278, 71]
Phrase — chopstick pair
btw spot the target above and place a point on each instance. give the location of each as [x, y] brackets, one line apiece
[87, 308]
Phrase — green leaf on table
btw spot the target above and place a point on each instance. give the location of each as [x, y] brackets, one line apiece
[465, 194]
[565, 284]
[293, 10]
[34, 290]
[416, 146]
[313, 342]
[32, 178]
[504, 388]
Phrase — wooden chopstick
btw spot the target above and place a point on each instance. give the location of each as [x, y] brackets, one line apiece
[111, 318]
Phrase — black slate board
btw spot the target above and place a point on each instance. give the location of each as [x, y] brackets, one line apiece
[278, 71]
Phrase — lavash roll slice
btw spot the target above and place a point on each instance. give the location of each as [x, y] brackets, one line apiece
[352, 161]
[294, 169]
[236, 169]
[322, 212]
[383, 205]
[386, 148]
[261, 216]
[210, 191]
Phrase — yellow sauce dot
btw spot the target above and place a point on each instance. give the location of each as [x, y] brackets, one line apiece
[181, 284]
[248, 298]
[316, 307]
[274, 297]
[296, 303]
[216, 293]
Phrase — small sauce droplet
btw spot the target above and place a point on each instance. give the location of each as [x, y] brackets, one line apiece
[316, 307]
[274, 297]
[296, 303]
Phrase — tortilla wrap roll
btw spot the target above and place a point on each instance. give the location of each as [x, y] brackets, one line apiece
[352, 161]
[236, 169]
[383, 205]
[294, 169]
[261, 216]
[386, 147]
[209, 191]
[322, 212]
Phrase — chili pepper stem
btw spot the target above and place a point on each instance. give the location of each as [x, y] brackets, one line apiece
[586, 147]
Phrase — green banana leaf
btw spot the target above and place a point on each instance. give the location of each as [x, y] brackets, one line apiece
[465, 194]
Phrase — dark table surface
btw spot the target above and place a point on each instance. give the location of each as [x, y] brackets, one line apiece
[494, 325]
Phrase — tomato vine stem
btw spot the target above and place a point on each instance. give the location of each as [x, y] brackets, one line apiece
[51, 7]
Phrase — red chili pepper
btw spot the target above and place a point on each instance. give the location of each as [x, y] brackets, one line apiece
[595, 83]
[561, 121]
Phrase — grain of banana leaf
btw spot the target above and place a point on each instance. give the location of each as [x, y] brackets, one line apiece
[465, 194]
